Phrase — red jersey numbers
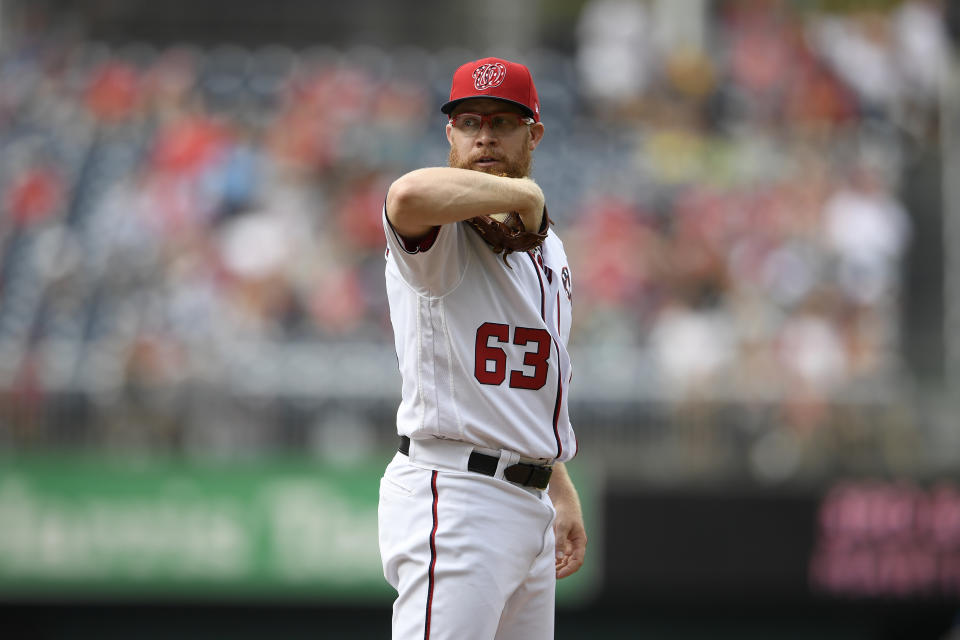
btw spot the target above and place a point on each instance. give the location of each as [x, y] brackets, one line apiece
[486, 355]
[490, 366]
[535, 358]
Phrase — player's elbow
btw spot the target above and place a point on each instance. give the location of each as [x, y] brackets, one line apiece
[400, 198]
[406, 202]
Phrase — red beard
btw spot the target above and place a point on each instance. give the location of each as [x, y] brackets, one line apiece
[518, 167]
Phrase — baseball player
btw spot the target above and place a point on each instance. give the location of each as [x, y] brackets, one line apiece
[478, 517]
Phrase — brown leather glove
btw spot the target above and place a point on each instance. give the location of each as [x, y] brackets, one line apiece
[510, 235]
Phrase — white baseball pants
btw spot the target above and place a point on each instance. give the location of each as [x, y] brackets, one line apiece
[471, 556]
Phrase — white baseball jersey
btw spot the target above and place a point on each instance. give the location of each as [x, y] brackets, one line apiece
[482, 343]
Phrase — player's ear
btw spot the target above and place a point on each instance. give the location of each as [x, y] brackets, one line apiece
[536, 134]
[449, 131]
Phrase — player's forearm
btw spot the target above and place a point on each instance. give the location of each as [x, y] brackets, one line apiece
[568, 528]
[562, 490]
[434, 196]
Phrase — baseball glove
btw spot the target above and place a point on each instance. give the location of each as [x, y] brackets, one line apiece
[509, 234]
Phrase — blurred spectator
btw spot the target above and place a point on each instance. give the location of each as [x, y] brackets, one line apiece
[693, 347]
[113, 91]
[868, 230]
[613, 56]
[623, 271]
[815, 364]
[763, 54]
[35, 194]
[920, 40]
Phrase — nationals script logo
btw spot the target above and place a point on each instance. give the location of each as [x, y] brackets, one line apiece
[488, 76]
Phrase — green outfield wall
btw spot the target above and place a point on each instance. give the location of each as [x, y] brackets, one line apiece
[153, 528]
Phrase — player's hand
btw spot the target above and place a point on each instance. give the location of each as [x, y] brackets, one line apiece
[571, 537]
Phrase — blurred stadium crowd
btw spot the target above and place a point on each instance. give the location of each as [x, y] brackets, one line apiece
[180, 218]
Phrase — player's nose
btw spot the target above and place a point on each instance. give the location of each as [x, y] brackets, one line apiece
[485, 134]
[485, 137]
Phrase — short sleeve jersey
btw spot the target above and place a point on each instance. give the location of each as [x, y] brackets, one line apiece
[482, 342]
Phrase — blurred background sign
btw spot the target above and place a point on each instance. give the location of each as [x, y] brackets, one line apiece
[890, 542]
[93, 527]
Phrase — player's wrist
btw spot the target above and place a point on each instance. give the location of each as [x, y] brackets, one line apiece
[532, 211]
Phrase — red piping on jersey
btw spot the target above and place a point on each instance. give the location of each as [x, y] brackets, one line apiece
[556, 413]
[543, 316]
[433, 559]
[543, 313]
[556, 409]
[413, 245]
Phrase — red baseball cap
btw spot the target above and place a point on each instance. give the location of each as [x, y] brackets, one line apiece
[494, 78]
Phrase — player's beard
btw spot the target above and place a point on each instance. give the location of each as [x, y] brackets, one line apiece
[518, 167]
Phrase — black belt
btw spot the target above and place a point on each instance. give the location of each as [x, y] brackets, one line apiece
[522, 473]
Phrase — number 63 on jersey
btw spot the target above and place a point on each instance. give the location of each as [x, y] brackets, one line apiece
[490, 365]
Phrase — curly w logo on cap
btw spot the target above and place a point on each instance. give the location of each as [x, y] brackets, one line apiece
[488, 76]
